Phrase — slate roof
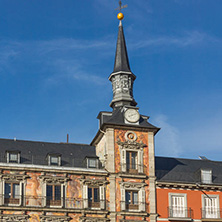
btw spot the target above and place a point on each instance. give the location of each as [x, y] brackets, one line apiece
[72, 155]
[186, 170]
[117, 118]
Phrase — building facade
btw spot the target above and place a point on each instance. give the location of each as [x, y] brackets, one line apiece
[112, 179]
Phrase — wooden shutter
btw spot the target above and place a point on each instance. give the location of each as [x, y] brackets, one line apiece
[142, 200]
[43, 194]
[20, 193]
[85, 196]
[102, 197]
[123, 160]
[62, 195]
[123, 199]
[140, 161]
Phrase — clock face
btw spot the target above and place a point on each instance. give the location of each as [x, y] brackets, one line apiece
[132, 115]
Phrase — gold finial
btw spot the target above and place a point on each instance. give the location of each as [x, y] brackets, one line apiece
[120, 16]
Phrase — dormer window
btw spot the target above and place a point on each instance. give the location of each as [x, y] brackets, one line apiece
[13, 157]
[54, 159]
[92, 162]
[206, 176]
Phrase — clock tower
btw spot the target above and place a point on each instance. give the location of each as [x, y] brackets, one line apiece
[125, 146]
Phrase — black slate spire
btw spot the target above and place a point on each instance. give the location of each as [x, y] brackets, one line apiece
[122, 78]
[121, 59]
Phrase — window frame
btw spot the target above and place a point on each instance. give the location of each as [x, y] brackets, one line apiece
[92, 203]
[58, 156]
[11, 197]
[54, 202]
[132, 205]
[181, 212]
[96, 163]
[207, 172]
[217, 209]
[17, 153]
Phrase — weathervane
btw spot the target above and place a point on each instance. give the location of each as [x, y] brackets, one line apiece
[120, 16]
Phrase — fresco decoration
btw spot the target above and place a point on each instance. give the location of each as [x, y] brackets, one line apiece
[141, 137]
[74, 193]
[75, 217]
[33, 196]
[118, 194]
[13, 212]
[34, 216]
[108, 191]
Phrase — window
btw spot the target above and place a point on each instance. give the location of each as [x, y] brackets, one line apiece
[12, 193]
[93, 197]
[206, 176]
[210, 207]
[13, 157]
[54, 160]
[178, 205]
[131, 200]
[53, 195]
[131, 160]
[92, 163]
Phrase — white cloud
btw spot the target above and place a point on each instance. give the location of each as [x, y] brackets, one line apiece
[185, 40]
[168, 138]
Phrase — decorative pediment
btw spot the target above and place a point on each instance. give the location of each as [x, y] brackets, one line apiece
[46, 218]
[14, 177]
[131, 145]
[93, 182]
[53, 179]
[9, 217]
[131, 185]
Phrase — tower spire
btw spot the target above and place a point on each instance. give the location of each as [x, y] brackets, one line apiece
[122, 78]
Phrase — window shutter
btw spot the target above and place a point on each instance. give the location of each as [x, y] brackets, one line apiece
[142, 200]
[102, 197]
[19, 192]
[44, 194]
[85, 196]
[140, 161]
[123, 160]
[123, 199]
[62, 195]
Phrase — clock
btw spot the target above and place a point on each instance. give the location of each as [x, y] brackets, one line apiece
[132, 115]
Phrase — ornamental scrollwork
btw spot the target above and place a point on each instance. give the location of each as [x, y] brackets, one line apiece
[53, 179]
[44, 218]
[131, 145]
[127, 185]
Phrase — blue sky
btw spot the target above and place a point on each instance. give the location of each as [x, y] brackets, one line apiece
[56, 56]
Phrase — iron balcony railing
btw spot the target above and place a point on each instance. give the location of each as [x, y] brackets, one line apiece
[43, 201]
[136, 206]
[180, 212]
[211, 213]
[133, 168]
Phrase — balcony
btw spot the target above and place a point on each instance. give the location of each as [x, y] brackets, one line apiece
[40, 202]
[180, 213]
[136, 206]
[133, 168]
[211, 213]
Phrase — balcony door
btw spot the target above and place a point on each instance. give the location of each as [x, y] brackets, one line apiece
[211, 207]
[178, 206]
